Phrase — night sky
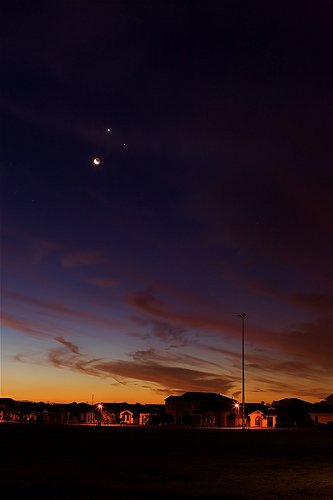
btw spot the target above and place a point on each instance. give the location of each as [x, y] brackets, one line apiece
[214, 197]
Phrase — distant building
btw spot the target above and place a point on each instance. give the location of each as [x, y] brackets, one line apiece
[257, 416]
[132, 414]
[193, 409]
[260, 420]
[292, 412]
[322, 413]
[53, 413]
[201, 409]
[126, 417]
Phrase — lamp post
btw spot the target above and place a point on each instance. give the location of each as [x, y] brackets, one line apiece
[99, 414]
[237, 413]
[242, 316]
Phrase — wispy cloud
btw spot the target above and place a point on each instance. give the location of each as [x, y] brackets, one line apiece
[54, 309]
[149, 303]
[318, 302]
[165, 331]
[168, 372]
[312, 341]
[144, 367]
[166, 356]
[34, 329]
[69, 345]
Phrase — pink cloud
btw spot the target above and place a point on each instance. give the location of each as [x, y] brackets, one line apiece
[69, 345]
[57, 309]
[27, 327]
[148, 303]
[312, 341]
[144, 367]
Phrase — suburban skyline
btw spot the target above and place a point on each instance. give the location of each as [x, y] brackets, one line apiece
[212, 197]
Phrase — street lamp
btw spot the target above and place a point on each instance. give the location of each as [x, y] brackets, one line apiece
[242, 316]
[99, 414]
[237, 413]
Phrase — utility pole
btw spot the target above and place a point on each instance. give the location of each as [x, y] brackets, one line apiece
[242, 316]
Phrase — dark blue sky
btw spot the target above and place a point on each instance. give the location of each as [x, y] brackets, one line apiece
[213, 197]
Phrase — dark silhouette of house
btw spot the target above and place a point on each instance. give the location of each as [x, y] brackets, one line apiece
[292, 412]
[322, 413]
[201, 409]
[53, 413]
[81, 413]
[195, 409]
[65, 413]
[8, 409]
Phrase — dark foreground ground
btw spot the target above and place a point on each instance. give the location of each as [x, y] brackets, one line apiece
[41, 461]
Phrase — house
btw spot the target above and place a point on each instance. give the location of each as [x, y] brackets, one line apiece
[69, 414]
[17, 411]
[256, 415]
[110, 412]
[201, 409]
[126, 417]
[322, 413]
[151, 414]
[9, 411]
[119, 413]
[53, 413]
[80, 413]
[260, 420]
[292, 412]
[132, 414]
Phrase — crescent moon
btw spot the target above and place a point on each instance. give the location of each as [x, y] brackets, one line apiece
[96, 161]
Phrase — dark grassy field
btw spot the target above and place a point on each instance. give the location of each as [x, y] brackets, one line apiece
[132, 463]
